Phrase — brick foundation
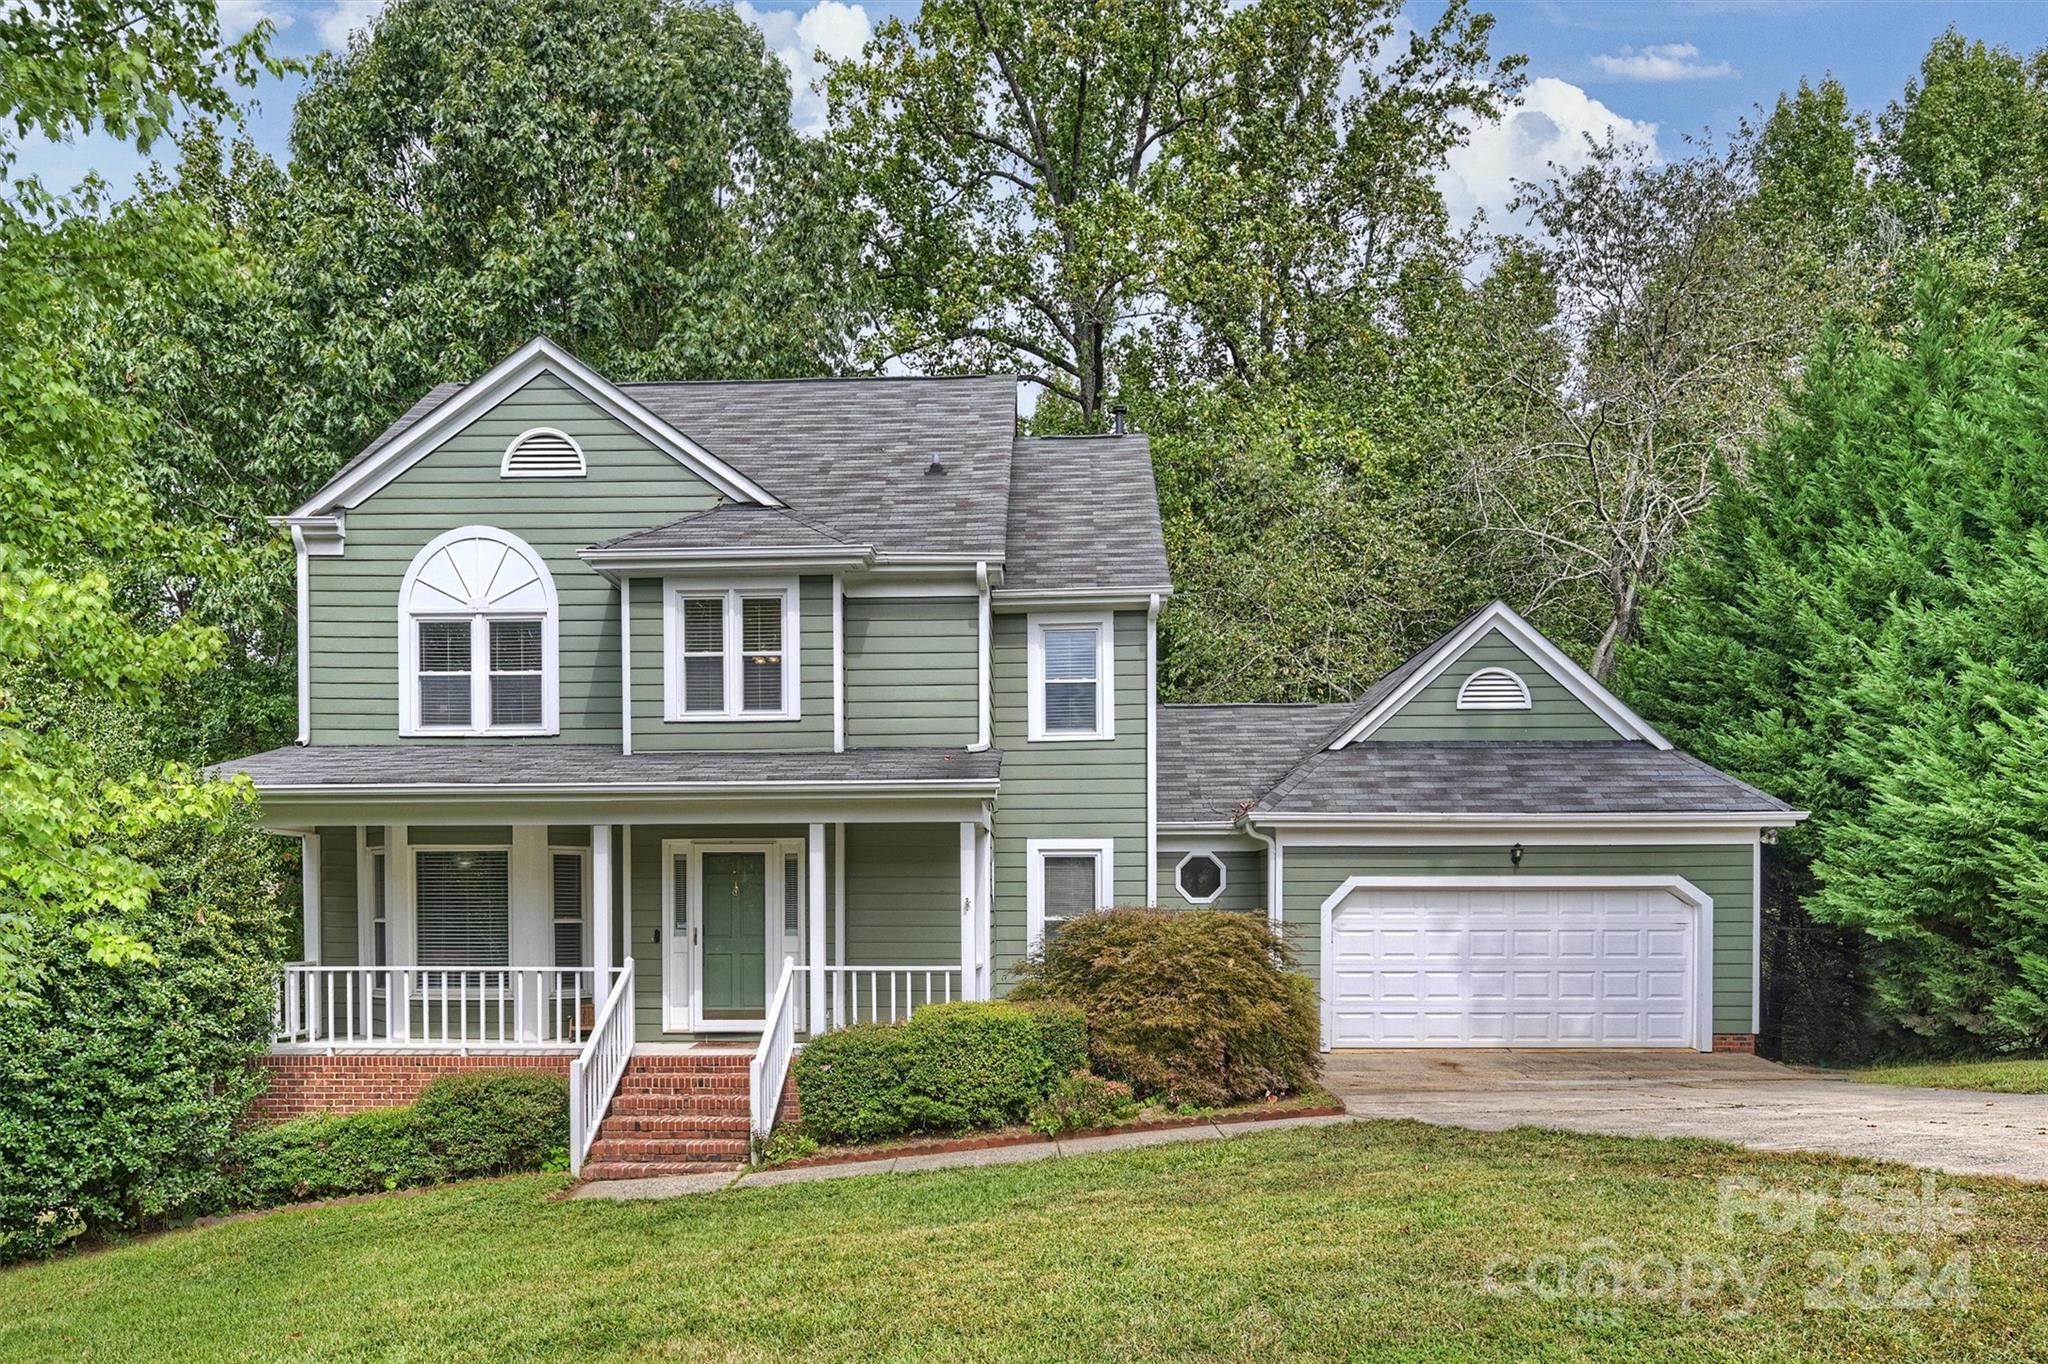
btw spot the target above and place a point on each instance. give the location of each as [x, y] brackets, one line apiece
[302, 1083]
[1735, 1041]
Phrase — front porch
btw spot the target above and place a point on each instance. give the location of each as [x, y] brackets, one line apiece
[578, 944]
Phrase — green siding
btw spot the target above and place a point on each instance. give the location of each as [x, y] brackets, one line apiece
[1244, 880]
[811, 730]
[912, 671]
[354, 598]
[903, 894]
[1554, 712]
[338, 905]
[1092, 789]
[1721, 870]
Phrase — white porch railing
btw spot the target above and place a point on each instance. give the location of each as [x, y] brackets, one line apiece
[594, 1076]
[884, 994]
[435, 1007]
[770, 1068]
[853, 994]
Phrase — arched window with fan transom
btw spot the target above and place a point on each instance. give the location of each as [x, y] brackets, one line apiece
[478, 638]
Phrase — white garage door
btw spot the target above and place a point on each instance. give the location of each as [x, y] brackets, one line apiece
[1499, 967]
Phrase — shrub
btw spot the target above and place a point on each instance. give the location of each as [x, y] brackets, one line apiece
[121, 1087]
[850, 1083]
[462, 1127]
[496, 1122]
[1082, 1100]
[949, 1067]
[1195, 1007]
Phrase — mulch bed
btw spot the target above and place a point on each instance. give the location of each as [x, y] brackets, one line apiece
[848, 1155]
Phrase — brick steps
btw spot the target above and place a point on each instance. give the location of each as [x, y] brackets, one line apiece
[675, 1113]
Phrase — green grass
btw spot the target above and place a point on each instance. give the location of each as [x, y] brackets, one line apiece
[1368, 1240]
[2004, 1077]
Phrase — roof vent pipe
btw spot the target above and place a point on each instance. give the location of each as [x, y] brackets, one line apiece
[937, 466]
[1119, 420]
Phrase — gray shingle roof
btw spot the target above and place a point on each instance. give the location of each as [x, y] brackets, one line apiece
[1512, 777]
[732, 526]
[1212, 759]
[503, 766]
[1084, 513]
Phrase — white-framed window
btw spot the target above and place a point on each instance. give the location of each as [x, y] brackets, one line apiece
[478, 638]
[569, 890]
[730, 653]
[1072, 677]
[380, 911]
[462, 907]
[1064, 877]
[1494, 689]
[1200, 878]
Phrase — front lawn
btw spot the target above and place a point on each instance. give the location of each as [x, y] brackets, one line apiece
[1367, 1239]
[2004, 1077]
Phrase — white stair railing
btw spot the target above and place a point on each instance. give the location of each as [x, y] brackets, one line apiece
[594, 1075]
[769, 1070]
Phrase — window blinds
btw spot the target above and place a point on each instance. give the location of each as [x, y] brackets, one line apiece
[463, 907]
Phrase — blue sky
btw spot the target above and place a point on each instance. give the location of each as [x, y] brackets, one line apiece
[1651, 73]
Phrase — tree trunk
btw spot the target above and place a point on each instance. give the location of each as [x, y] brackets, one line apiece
[1619, 631]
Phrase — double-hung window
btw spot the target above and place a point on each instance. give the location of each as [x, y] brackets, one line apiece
[1064, 878]
[731, 652]
[1071, 677]
[571, 897]
[478, 637]
[462, 911]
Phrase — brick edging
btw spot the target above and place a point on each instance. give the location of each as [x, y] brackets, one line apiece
[988, 1143]
[1744, 1042]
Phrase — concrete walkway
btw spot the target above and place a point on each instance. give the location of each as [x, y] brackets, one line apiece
[675, 1185]
[1738, 1099]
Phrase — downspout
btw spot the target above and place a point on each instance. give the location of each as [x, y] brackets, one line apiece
[981, 741]
[305, 634]
[1151, 749]
[1273, 877]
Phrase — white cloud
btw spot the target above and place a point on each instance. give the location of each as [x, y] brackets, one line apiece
[1549, 128]
[1661, 62]
[838, 30]
[344, 18]
[239, 16]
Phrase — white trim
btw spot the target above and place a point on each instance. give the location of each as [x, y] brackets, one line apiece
[1516, 697]
[1036, 850]
[626, 666]
[1219, 840]
[1569, 675]
[839, 893]
[838, 665]
[304, 629]
[674, 592]
[479, 614]
[366, 899]
[1222, 876]
[1336, 822]
[970, 903]
[505, 469]
[538, 356]
[1152, 752]
[917, 590]
[981, 675]
[814, 951]
[723, 560]
[1756, 936]
[1104, 624]
[1102, 598]
[1703, 935]
[1502, 835]
[597, 891]
[309, 897]
[773, 852]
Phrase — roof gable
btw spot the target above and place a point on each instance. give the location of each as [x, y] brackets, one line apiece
[1569, 698]
[445, 412]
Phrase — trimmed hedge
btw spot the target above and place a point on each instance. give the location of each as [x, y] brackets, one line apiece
[948, 1068]
[1196, 1007]
[462, 1127]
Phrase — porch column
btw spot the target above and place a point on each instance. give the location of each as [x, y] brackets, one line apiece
[984, 927]
[601, 906]
[970, 901]
[309, 896]
[814, 883]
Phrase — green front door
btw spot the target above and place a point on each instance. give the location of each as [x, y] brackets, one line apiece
[735, 934]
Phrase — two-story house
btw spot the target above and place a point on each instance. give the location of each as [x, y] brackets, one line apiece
[640, 717]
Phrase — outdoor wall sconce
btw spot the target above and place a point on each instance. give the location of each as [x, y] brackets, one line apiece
[1515, 854]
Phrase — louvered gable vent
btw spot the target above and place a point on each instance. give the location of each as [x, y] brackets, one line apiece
[543, 453]
[1493, 689]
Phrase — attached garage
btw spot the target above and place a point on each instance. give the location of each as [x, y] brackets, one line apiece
[1518, 962]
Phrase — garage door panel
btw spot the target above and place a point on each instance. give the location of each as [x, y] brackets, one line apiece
[1512, 967]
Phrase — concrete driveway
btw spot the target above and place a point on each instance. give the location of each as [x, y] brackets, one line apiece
[1739, 1099]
